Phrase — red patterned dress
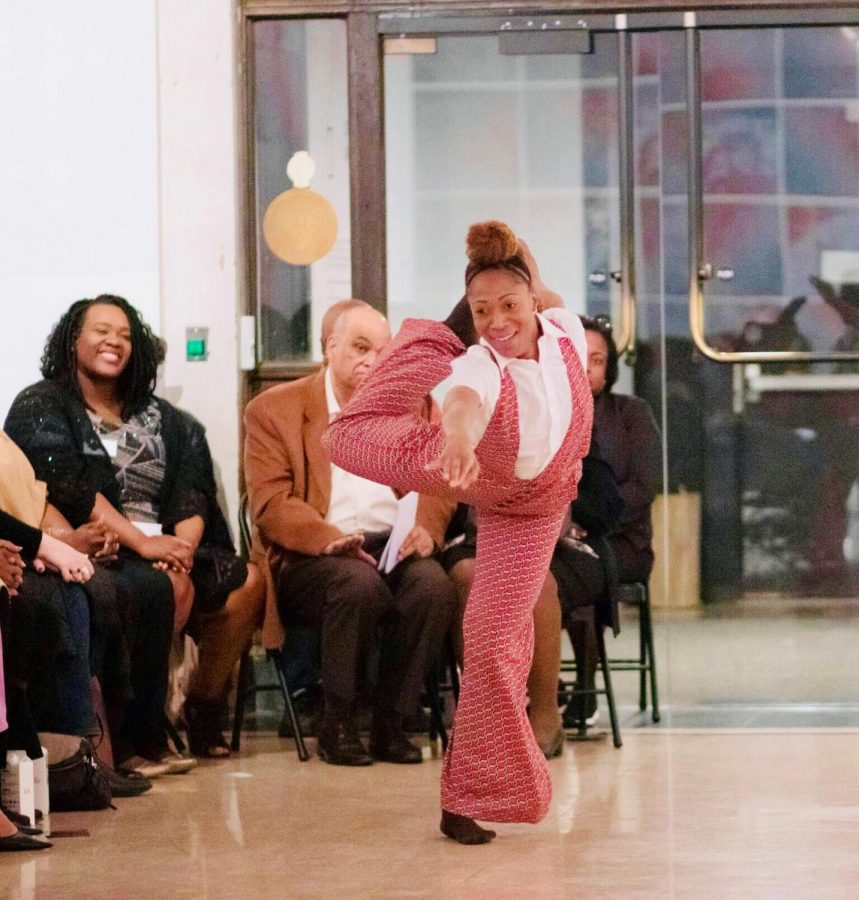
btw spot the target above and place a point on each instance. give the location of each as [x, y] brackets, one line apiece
[494, 770]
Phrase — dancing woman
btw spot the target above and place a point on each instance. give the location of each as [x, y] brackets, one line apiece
[515, 426]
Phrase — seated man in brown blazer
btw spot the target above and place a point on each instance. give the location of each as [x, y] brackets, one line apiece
[323, 529]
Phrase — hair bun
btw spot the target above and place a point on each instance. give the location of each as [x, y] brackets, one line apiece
[490, 243]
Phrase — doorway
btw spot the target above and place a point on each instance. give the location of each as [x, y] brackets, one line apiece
[697, 180]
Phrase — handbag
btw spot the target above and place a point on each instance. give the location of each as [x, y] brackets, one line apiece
[78, 783]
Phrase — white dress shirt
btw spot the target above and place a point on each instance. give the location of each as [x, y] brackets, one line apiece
[542, 388]
[356, 503]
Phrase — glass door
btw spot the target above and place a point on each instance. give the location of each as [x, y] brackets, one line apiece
[709, 176]
[758, 158]
[475, 133]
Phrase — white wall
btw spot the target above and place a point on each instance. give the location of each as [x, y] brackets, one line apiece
[118, 173]
[197, 218]
[78, 168]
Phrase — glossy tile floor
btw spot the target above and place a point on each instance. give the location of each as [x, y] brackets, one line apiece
[669, 815]
[749, 788]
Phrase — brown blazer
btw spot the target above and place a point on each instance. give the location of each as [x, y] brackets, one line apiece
[288, 476]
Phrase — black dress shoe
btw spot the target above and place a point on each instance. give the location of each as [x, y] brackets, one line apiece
[341, 747]
[395, 747]
[128, 784]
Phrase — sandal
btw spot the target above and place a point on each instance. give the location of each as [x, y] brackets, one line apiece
[204, 729]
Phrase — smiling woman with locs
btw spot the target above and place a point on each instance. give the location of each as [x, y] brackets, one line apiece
[110, 450]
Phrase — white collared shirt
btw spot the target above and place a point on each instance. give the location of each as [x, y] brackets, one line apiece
[542, 388]
[356, 503]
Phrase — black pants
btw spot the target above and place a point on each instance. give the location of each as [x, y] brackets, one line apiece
[46, 661]
[144, 598]
[356, 609]
[581, 583]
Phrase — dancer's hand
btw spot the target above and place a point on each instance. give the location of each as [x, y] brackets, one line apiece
[349, 545]
[418, 542]
[457, 463]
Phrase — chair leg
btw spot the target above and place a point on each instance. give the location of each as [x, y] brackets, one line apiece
[303, 755]
[642, 658]
[436, 727]
[647, 617]
[609, 692]
[241, 695]
[453, 666]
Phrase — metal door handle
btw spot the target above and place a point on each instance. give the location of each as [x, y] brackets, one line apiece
[699, 272]
[598, 277]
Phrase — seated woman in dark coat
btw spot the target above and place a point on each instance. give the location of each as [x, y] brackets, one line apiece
[45, 622]
[629, 440]
[125, 661]
[110, 450]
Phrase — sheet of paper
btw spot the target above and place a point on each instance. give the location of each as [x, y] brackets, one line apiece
[407, 508]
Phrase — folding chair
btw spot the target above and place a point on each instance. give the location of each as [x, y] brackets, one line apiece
[242, 686]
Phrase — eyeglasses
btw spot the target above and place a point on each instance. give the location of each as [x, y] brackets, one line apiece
[601, 323]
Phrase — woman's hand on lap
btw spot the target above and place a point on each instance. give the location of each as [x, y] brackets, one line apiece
[70, 564]
[95, 539]
[168, 552]
[11, 566]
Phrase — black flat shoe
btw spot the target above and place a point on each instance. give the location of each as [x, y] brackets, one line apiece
[395, 747]
[21, 841]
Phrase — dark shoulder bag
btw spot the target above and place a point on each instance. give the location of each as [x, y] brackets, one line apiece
[78, 783]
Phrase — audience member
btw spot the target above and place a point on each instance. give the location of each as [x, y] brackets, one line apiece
[222, 627]
[109, 450]
[628, 439]
[300, 642]
[47, 634]
[322, 531]
[15, 830]
[229, 604]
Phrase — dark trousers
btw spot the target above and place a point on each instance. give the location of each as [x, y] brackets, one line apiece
[581, 583]
[46, 630]
[357, 610]
[144, 598]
